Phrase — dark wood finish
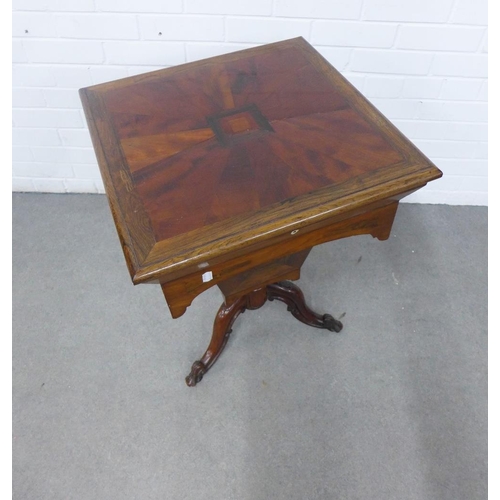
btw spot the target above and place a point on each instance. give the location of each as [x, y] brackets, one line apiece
[285, 268]
[180, 292]
[228, 171]
[292, 296]
[224, 320]
[181, 196]
[283, 291]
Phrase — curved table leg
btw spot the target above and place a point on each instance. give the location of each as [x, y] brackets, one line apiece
[285, 291]
[292, 296]
[224, 320]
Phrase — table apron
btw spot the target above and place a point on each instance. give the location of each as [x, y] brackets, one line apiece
[277, 261]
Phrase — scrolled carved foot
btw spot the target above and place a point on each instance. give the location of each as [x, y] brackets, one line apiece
[332, 324]
[292, 296]
[197, 371]
[223, 323]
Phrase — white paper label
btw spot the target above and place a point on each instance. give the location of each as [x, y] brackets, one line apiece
[208, 276]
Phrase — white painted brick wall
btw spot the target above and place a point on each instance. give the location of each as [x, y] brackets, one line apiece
[173, 27]
[423, 63]
[394, 62]
[408, 11]
[102, 27]
[199, 50]
[160, 53]
[62, 51]
[241, 7]
[453, 38]
[383, 86]
[27, 98]
[265, 30]
[35, 137]
[470, 12]
[353, 34]
[131, 6]
[471, 65]
[319, 9]
[33, 25]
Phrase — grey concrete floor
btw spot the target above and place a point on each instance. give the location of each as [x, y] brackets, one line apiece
[393, 407]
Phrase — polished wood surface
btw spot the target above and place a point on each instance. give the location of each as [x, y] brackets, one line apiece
[271, 262]
[210, 157]
[227, 171]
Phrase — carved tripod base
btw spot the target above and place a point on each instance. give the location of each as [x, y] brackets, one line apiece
[285, 291]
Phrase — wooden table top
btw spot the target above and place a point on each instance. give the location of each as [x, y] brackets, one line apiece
[206, 159]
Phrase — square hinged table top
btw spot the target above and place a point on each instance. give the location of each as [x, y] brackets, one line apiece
[209, 157]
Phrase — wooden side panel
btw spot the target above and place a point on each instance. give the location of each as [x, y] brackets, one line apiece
[180, 292]
[131, 221]
[286, 268]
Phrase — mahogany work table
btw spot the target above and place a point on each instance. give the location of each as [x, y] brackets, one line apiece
[227, 171]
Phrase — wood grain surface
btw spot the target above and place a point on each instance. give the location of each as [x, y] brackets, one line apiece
[210, 160]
